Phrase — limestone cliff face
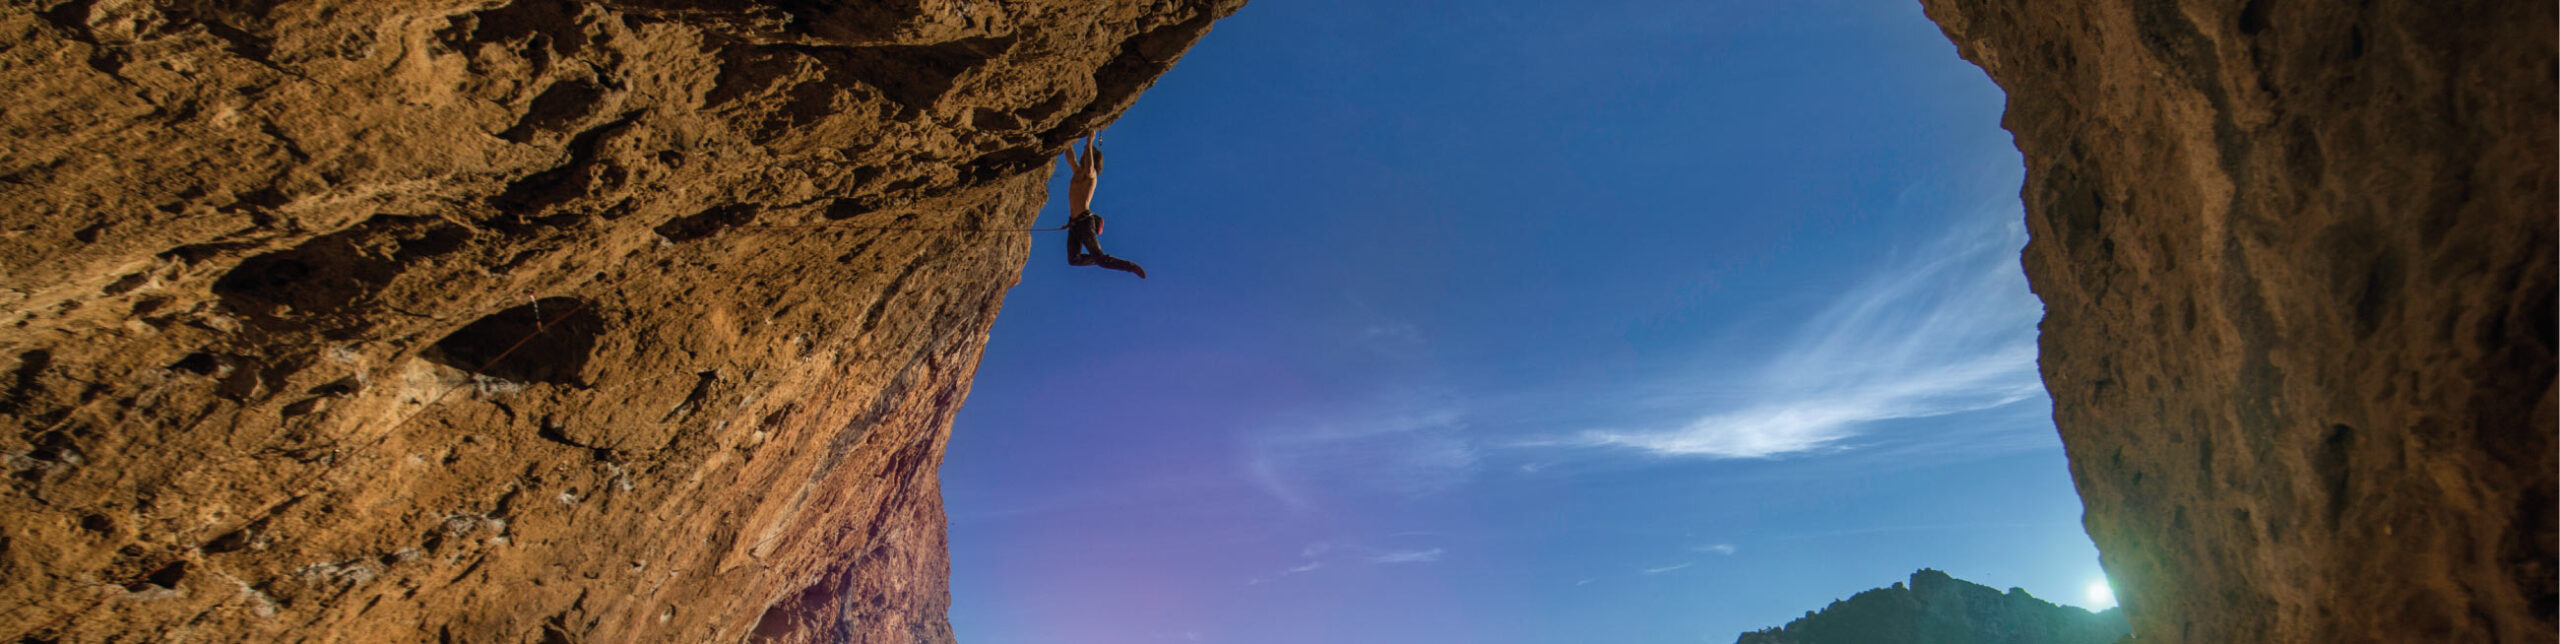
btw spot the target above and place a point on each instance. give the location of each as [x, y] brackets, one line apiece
[255, 252]
[2297, 263]
[1940, 609]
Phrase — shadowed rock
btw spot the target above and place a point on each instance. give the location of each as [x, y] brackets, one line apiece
[256, 250]
[2297, 266]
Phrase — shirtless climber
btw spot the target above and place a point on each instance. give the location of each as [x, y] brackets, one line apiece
[1082, 225]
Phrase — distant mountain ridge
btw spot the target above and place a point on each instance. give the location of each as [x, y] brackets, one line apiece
[1936, 608]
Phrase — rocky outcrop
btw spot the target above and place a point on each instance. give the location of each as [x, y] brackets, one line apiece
[1940, 609]
[2297, 266]
[490, 320]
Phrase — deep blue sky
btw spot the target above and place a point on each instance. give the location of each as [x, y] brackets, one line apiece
[1516, 321]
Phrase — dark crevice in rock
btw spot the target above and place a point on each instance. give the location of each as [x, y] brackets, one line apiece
[582, 175]
[1004, 163]
[842, 209]
[198, 363]
[24, 381]
[236, 540]
[506, 346]
[707, 223]
[2332, 464]
[166, 578]
[339, 272]
[555, 110]
[813, 81]
[918, 75]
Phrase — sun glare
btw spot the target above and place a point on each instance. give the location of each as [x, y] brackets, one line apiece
[2101, 596]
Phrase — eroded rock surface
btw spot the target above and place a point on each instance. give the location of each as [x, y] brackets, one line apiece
[256, 251]
[2297, 263]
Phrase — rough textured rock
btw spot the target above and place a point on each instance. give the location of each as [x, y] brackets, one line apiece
[1941, 609]
[2297, 264]
[256, 252]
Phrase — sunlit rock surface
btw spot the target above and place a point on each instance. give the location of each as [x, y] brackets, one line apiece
[1939, 609]
[2297, 263]
[255, 251]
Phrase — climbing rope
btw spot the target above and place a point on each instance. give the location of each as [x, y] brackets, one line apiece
[502, 355]
[929, 228]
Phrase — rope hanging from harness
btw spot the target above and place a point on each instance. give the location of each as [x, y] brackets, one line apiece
[930, 228]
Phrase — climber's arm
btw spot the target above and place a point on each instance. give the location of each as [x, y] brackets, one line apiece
[1088, 171]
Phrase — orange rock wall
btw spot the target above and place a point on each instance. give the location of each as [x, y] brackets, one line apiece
[257, 255]
[2297, 264]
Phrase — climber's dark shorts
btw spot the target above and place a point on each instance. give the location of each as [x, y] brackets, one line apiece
[1084, 247]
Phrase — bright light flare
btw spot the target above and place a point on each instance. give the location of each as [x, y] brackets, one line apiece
[2101, 595]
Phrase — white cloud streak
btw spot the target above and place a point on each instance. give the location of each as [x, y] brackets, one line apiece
[1405, 455]
[1669, 568]
[1947, 331]
[1408, 556]
[1322, 554]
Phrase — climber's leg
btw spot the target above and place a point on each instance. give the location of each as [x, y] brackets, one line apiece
[1082, 248]
[1118, 264]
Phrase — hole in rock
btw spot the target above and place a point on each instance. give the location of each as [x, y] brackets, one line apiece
[843, 209]
[2253, 18]
[555, 356]
[556, 110]
[339, 387]
[232, 541]
[166, 577]
[334, 271]
[198, 363]
[56, 447]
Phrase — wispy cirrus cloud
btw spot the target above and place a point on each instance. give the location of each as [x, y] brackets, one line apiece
[1320, 555]
[1408, 556]
[1716, 548]
[1669, 568]
[1408, 455]
[1945, 330]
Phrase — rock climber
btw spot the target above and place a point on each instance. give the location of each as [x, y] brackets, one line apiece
[1083, 227]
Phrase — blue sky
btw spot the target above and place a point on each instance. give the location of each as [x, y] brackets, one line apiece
[1515, 321]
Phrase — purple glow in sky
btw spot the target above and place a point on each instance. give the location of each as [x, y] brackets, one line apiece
[1521, 322]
